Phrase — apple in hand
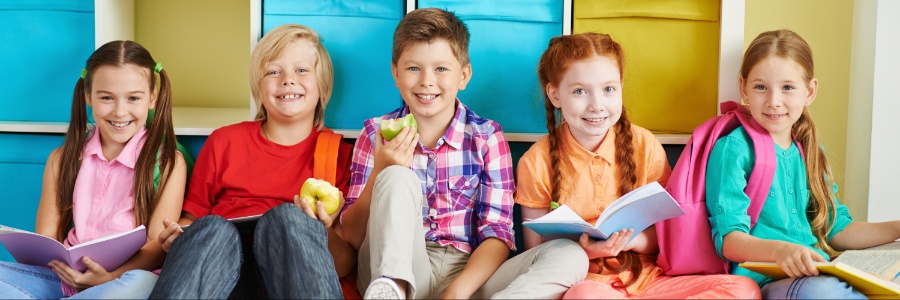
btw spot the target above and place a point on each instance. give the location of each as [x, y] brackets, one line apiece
[320, 190]
[391, 128]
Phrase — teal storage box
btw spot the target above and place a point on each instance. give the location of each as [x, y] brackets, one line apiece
[358, 36]
[22, 160]
[507, 40]
[45, 45]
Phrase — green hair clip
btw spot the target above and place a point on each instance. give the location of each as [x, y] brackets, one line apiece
[158, 67]
[83, 73]
[554, 205]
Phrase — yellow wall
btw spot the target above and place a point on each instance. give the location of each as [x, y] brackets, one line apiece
[827, 26]
[203, 44]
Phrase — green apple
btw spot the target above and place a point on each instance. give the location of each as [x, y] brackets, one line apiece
[320, 190]
[391, 128]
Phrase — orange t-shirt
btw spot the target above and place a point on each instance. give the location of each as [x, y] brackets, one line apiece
[590, 182]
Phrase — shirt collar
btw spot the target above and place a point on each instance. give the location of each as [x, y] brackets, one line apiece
[127, 157]
[456, 132]
[578, 155]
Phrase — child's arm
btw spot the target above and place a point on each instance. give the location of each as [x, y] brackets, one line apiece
[481, 265]
[860, 235]
[645, 242]
[532, 239]
[795, 260]
[47, 218]
[399, 151]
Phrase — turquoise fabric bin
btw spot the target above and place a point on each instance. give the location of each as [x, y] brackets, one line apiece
[507, 40]
[358, 36]
[22, 159]
[45, 45]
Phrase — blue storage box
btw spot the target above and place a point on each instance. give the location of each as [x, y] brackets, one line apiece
[45, 45]
[22, 160]
[507, 40]
[358, 35]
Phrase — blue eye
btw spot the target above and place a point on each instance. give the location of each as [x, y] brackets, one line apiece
[759, 87]
[579, 92]
[441, 69]
[414, 69]
[273, 72]
[302, 70]
[609, 89]
[788, 87]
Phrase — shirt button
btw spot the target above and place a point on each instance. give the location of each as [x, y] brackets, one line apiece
[430, 181]
[793, 210]
[431, 155]
[597, 177]
[466, 184]
[433, 226]
[432, 212]
[799, 225]
[790, 191]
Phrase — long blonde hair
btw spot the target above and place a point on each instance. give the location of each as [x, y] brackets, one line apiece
[822, 205]
[562, 52]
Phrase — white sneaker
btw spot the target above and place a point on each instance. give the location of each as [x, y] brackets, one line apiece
[383, 288]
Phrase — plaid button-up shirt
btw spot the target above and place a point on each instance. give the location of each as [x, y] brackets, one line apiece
[467, 179]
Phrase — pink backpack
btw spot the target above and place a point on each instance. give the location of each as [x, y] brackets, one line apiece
[685, 242]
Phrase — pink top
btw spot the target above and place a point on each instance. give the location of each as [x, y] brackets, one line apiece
[103, 199]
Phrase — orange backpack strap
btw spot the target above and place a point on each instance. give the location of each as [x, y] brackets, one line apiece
[325, 157]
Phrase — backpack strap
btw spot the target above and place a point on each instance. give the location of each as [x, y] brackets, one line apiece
[325, 158]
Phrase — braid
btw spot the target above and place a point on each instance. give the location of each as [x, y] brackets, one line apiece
[553, 133]
[628, 260]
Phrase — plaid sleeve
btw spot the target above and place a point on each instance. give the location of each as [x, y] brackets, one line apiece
[362, 163]
[495, 197]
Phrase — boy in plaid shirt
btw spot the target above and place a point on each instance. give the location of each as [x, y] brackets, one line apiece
[440, 197]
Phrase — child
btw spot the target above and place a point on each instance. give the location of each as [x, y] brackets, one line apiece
[590, 158]
[102, 180]
[257, 167]
[456, 170]
[802, 220]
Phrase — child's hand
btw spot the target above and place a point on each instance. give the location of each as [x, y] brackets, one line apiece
[319, 213]
[398, 151]
[610, 247]
[94, 275]
[171, 231]
[796, 260]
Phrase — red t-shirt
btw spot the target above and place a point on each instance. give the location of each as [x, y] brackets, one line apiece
[240, 173]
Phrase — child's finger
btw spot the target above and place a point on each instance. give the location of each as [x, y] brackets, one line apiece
[304, 206]
[320, 210]
[92, 266]
[584, 241]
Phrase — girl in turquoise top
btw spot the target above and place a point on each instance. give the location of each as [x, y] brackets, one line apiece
[801, 222]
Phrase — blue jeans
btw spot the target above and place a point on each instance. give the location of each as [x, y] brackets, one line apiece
[290, 249]
[19, 281]
[812, 287]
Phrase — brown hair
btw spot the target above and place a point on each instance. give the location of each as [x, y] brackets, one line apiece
[272, 45]
[562, 52]
[822, 207]
[428, 24]
[160, 138]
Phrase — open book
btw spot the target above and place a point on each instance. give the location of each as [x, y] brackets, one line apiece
[875, 271]
[110, 252]
[636, 210]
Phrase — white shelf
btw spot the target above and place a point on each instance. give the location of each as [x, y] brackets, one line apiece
[187, 121]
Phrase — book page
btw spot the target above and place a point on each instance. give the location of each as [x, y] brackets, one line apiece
[630, 197]
[885, 263]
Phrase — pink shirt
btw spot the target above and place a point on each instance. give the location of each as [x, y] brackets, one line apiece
[103, 199]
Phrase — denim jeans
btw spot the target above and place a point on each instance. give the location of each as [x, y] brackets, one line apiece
[812, 287]
[19, 281]
[289, 247]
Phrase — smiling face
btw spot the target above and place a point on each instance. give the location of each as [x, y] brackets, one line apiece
[289, 88]
[590, 99]
[120, 98]
[777, 93]
[429, 76]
